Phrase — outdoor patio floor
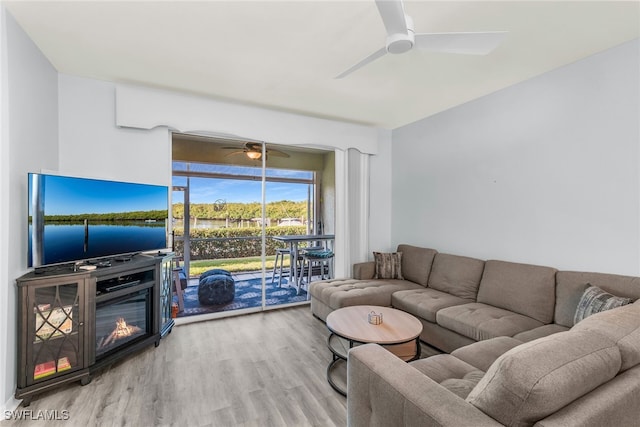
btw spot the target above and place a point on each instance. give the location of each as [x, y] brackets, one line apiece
[248, 294]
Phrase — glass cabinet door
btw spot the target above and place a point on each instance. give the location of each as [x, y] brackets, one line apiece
[55, 325]
[166, 295]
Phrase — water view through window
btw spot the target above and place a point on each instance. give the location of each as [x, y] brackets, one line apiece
[217, 221]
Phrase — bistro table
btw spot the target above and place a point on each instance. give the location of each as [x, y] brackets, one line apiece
[293, 241]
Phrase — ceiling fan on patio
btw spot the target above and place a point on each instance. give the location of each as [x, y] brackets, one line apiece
[253, 150]
[401, 37]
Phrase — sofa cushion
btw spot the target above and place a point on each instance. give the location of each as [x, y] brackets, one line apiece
[595, 300]
[538, 378]
[482, 354]
[621, 325]
[416, 263]
[572, 284]
[339, 293]
[424, 303]
[388, 265]
[613, 404]
[456, 275]
[442, 367]
[463, 386]
[524, 288]
[364, 270]
[567, 300]
[480, 321]
[540, 332]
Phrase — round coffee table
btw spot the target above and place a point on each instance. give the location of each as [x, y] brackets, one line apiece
[398, 333]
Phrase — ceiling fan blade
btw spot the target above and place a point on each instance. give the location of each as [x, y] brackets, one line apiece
[466, 43]
[234, 153]
[276, 153]
[254, 146]
[393, 16]
[375, 55]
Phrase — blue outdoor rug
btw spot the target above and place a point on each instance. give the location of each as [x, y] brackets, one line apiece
[248, 294]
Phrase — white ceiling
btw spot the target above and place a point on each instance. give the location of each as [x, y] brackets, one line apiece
[285, 54]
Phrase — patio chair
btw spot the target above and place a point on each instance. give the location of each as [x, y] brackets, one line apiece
[319, 259]
[280, 254]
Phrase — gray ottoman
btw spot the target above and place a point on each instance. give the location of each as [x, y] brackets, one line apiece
[213, 272]
[215, 289]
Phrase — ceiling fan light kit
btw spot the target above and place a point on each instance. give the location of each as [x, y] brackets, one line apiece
[401, 37]
[254, 155]
[400, 43]
[253, 151]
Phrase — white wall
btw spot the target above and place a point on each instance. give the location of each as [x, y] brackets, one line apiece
[91, 145]
[29, 144]
[62, 124]
[546, 171]
[380, 198]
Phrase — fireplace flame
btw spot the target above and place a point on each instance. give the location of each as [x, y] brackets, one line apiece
[122, 330]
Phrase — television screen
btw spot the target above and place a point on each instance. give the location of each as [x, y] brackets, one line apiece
[75, 219]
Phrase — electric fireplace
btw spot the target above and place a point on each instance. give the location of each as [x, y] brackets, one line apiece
[122, 320]
[123, 312]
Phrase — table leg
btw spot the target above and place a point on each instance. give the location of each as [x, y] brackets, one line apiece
[294, 255]
[293, 265]
[336, 359]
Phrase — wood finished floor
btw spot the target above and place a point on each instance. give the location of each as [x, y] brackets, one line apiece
[264, 369]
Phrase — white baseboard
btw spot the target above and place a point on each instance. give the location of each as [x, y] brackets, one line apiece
[9, 406]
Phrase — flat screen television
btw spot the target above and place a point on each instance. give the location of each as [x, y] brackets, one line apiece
[79, 219]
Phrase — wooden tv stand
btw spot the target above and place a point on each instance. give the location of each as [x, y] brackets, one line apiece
[64, 311]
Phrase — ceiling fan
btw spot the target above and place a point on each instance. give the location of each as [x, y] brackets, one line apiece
[253, 150]
[401, 37]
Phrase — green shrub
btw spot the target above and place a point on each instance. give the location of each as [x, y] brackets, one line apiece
[219, 243]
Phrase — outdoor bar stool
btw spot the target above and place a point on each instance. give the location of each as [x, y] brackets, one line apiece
[320, 257]
[280, 254]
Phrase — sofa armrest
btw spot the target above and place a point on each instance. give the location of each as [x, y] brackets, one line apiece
[364, 270]
[382, 390]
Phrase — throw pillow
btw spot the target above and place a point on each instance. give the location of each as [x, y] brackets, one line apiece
[595, 300]
[388, 265]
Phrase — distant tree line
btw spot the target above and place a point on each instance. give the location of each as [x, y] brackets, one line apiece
[237, 211]
[157, 215]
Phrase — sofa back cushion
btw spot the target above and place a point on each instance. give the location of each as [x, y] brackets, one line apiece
[524, 288]
[622, 326]
[456, 275]
[535, 379]
[572, 284]
[416, 263]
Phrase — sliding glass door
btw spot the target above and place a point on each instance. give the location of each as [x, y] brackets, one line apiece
[229, 208]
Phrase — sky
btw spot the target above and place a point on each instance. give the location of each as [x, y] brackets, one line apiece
[68, 196]
[208, 190]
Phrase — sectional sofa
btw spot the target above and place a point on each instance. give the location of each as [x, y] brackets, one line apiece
[517, 351]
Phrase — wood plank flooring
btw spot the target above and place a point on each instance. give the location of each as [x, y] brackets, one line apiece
[263, 369]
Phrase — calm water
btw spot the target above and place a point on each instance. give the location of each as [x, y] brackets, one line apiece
[64, 242]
